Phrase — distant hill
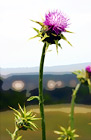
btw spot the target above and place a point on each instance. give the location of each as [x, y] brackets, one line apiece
[52, 69]
[58, 82]
[31, 81]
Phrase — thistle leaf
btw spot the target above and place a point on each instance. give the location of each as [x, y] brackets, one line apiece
[34, 37]
[76, 136]
[24, 109]
[56, 42]
[53, 34]
[69, 31]
[21, 110]
[89, 85]
[64, 38]
[35, 126]
[9, 132]
[17, 116]
[45, 36]
[59, 45]
[28, 114]
[36, 30]
[63, 129]
[47, 45]
[32, 98]
[40, 23]
[19, 138]
[15, 111]
[57, 132]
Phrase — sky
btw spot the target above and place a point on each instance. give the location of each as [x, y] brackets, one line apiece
[16, 28]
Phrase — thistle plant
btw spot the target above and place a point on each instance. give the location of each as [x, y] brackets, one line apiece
[23, 120]
[66, 134]
[51, 32]
[84, 77]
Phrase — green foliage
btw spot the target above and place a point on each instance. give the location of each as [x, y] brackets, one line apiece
[14, 135]
[66, 134]
[32, 98]
[64, 38]
[24, 120]
[83, 78]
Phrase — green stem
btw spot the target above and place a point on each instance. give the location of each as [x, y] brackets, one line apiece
[73, 104]
[41, 102]
[15, 133]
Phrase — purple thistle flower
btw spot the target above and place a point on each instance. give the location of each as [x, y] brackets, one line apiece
[88, 71]
[56, 21]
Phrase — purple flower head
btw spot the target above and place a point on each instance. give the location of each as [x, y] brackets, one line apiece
[56, 21]
[88, 69]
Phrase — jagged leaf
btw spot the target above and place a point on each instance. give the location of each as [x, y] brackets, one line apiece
[59, 45]
[40, 23]
[19, 138]
[15, 111]
[89, 85]
[57, 132]
[56, 42]
[64, 38]
[62, 128]
[24, 109]
[32, 98]
[21, 110]
[69, 31]
[36, 30]
[45, 36]
[9, 132]
[35, 126]
[34, 37]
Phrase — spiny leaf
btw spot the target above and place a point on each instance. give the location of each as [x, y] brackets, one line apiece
[24, 109]
[69, 31]
[28, 113]
[32, 98]
[34, 119]
[15, 111]
[17, 116]
[53, 34]
[89, 85]
[57, 132]
[21, 110]
[69, 128]
[73, 131]
[56, 42]
[62, 128]
[19, 138]
[34, 37]
[40, 23]
[9, 132]
[76, 136]
[36, 30]
[45, 36]
[47, 45]
[35, 126]
[59, 45]
[64, 38]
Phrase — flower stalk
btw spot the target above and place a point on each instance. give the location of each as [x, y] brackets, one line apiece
[51, 32]
[41, 99]
[73, 105]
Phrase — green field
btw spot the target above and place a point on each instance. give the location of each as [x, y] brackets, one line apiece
[55, 115]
